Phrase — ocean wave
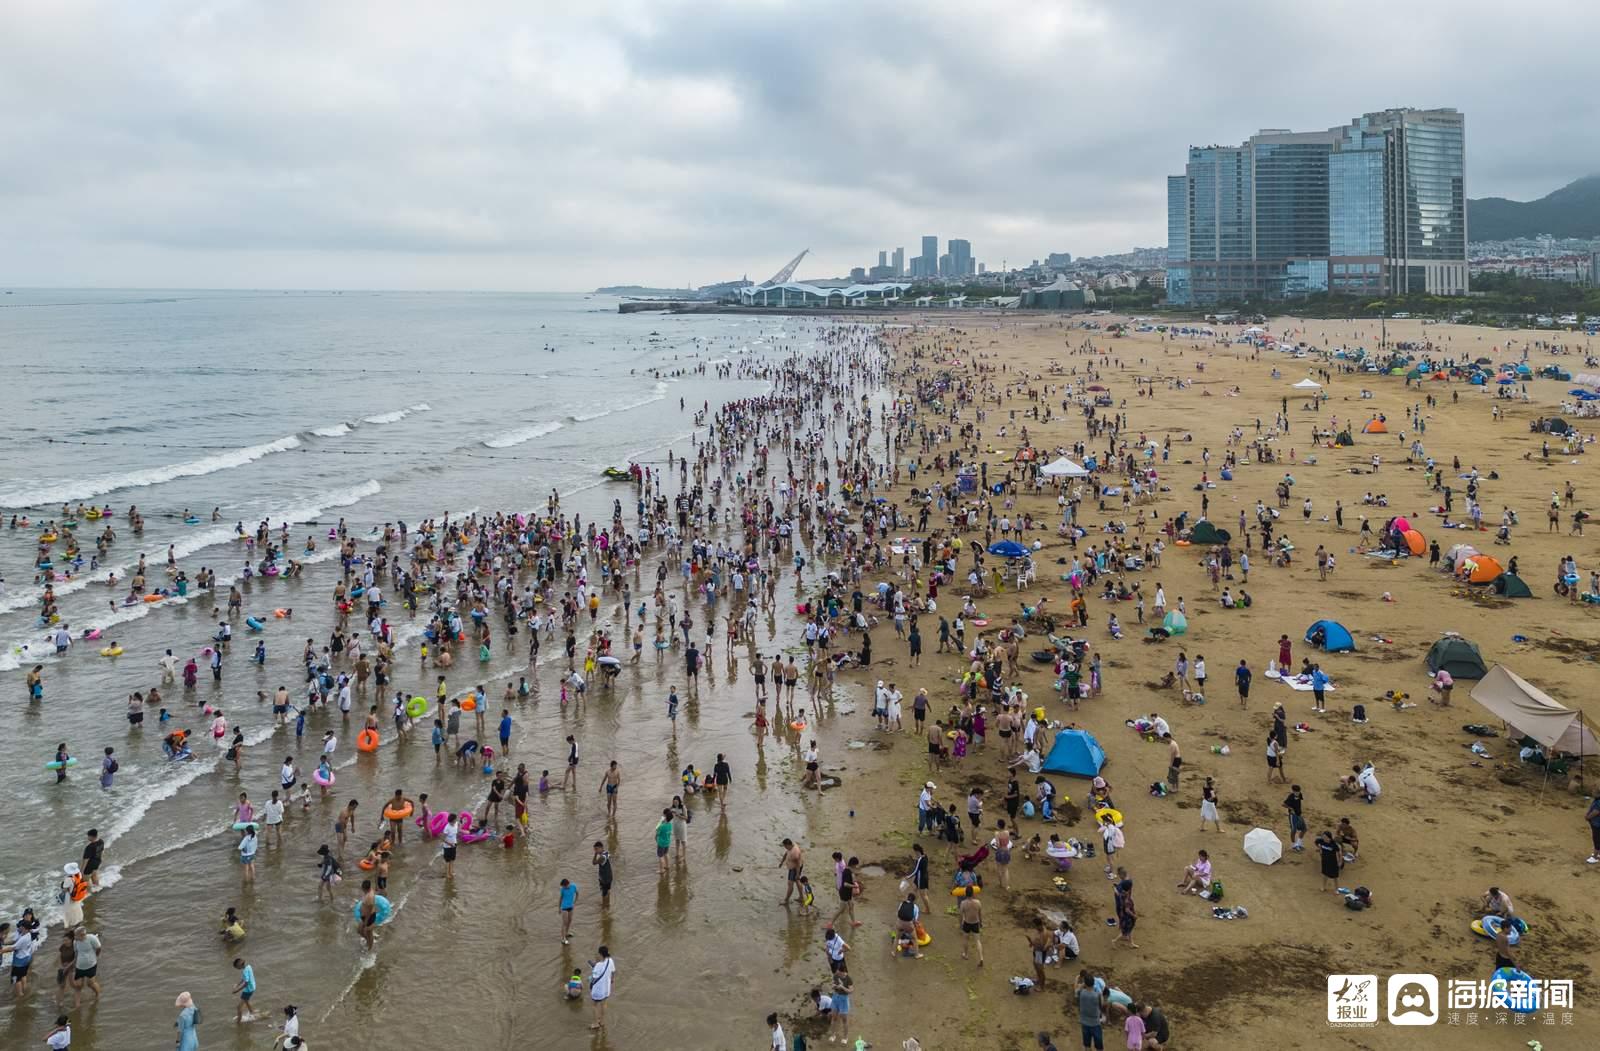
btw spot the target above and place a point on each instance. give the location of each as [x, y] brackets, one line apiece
[587, 416]
[518, 435]
[84, 488]
[397, 415]
[338, 430]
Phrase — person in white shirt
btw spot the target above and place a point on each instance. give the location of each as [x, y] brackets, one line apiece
[272, 817]
[1159, 725]
[601, 975]
[779, 1041]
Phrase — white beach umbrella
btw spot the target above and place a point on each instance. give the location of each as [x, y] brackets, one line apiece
[1262, 846]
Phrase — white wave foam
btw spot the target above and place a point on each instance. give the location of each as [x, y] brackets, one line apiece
[518, 435]
[587, 416]
[339, 498]
[83, 489]
[397, 415]
[338, 430]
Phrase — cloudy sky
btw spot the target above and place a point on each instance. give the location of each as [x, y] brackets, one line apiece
[552, 146]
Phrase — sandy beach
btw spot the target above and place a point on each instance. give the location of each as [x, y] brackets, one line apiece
[1449, 823]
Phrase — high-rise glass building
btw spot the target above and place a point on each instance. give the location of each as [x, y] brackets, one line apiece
[1371, 208]
[930, 257]
[899, 263]
[960, 257]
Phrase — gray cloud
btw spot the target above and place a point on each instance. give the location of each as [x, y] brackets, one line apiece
[543, 145]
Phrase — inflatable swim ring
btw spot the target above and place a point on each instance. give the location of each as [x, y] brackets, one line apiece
[1489, 927]
[1116, 815]
[53, 765]
[798, 724]
[48, 538]
[270, 571]
[92, 634]
[280, 613]
[367, 740]
[922, 935]
[397, 815]
[253, 624]
[111, 651]
[979, 622]
[154, 598]
[417, 707]
[469, 834]
[961, 891]
[240, 826]
[316, 775]
[437, 823]
[382, 906]
[469, 704]
[1501, 984]
[191, 520]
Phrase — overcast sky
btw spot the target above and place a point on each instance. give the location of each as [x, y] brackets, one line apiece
[554, 146]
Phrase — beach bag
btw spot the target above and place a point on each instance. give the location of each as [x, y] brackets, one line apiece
[1359, 713]
[1216, 890]
[114, 767]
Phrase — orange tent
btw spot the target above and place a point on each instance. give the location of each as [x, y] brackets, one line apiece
[1375, 427]
[1414, 541]
[1480, 569]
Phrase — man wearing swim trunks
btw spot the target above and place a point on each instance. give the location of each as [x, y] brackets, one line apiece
[793, 863]
[609, 784]
[971, 911]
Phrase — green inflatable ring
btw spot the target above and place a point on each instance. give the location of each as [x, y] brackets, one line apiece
[417, 707]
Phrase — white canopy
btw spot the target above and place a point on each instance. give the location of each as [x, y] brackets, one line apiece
[1530, 711]
[1062, 467]
[1308, 384]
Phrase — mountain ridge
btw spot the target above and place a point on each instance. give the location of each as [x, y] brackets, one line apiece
[1571, 211]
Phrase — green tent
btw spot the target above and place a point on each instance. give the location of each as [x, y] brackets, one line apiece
[1204, 532]
[1458, 657]
[1344, 438]
[1511, 586]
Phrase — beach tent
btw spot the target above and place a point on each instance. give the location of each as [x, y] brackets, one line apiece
[1415, 543]
[1062, 468]
[1531, 712]
[1008, 549]
[1262, 846]
[1075, 752]
[1344, 438]
[1308, 384]
[1509, 585]
[1458, 554]
[1335, 636]
[1458, 657]
[1175, 623]
[1375, 427]
[1480, 569]
[1206, 533]
[1556, 425]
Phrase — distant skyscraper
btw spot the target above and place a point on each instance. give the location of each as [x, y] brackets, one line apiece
[1374, 207]
[883, 258]
[930, 257]
[858, 275]
[899, 262]
[960, 257]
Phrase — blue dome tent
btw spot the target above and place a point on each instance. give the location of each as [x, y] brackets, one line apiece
[1335, 637]
[1077, 753]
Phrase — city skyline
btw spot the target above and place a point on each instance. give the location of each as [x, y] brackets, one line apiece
[503, 146]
